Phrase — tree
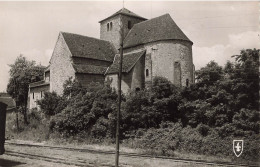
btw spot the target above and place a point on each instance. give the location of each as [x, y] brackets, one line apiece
[209, 74]
[22, 73]
[246, 76]
[223, 97]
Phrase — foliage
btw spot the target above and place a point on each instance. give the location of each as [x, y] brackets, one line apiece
[149, 108]
[37, 129]
[50, 103]
[225, 98]
[203, 118]
[209, 74]
[22, 73]
[72, 88]
[90, 111]
[174, 137]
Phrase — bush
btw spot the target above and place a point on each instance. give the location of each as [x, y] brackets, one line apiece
[203, 129]
[49, 103]
[89, 111]
[170, 137]
[150, 108]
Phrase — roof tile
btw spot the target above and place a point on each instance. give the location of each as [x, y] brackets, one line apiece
[89, 69]
[129, 60]
[87, 47]
[39, 83]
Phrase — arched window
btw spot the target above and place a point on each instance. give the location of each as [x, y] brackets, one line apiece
[129, 25]
[111, 26]
[187, 82]
[147, 72]
[107, 26]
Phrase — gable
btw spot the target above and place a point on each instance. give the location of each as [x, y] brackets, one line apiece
[59, 48]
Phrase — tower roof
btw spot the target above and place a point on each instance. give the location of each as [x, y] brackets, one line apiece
[156, 29]
[126, 12]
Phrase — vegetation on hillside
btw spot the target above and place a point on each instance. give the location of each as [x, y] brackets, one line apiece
[204, 118]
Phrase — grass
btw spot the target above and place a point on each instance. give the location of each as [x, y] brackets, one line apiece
[38, 131]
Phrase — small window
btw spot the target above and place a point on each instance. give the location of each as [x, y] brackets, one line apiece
[33, 95]
[147, 72]
[41, 94]
[187, 82]
[107, 26]
[111, 26]
[137, 89]
[129, 25]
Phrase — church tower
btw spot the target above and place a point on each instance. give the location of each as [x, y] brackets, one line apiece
[110, 26]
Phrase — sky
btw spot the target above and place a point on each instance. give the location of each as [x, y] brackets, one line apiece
[218, 29]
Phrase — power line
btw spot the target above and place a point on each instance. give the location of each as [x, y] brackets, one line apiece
[223, 28]
[186, 19]
[231, 27]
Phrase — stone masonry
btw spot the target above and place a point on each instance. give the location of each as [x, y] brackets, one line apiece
[113, 35]
[161, 57]
[60, 66]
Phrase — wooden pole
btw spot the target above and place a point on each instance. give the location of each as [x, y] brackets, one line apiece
[15, 93]
[2, 126]
[119, 92]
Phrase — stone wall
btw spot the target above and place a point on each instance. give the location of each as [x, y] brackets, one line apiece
[113, 35]
[125, 84]
[60, 66]
[113, 80]
[148, 69]
[37, 93]
[138, 79]
[132, 80]
[164, 55]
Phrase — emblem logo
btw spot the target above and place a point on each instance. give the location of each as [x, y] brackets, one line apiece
[238, 147]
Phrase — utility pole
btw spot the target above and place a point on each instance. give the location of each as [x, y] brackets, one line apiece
[119, 91]
[15, 97]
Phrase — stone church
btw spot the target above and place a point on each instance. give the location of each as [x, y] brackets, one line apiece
[154, 47]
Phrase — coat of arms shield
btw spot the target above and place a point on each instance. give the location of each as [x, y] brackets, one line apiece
[238, 147]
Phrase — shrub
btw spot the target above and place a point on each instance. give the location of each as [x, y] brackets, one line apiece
[100, 128]
[172, 136]
[49, 103]
[88, 111]
[150, 108]
[203, 129]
